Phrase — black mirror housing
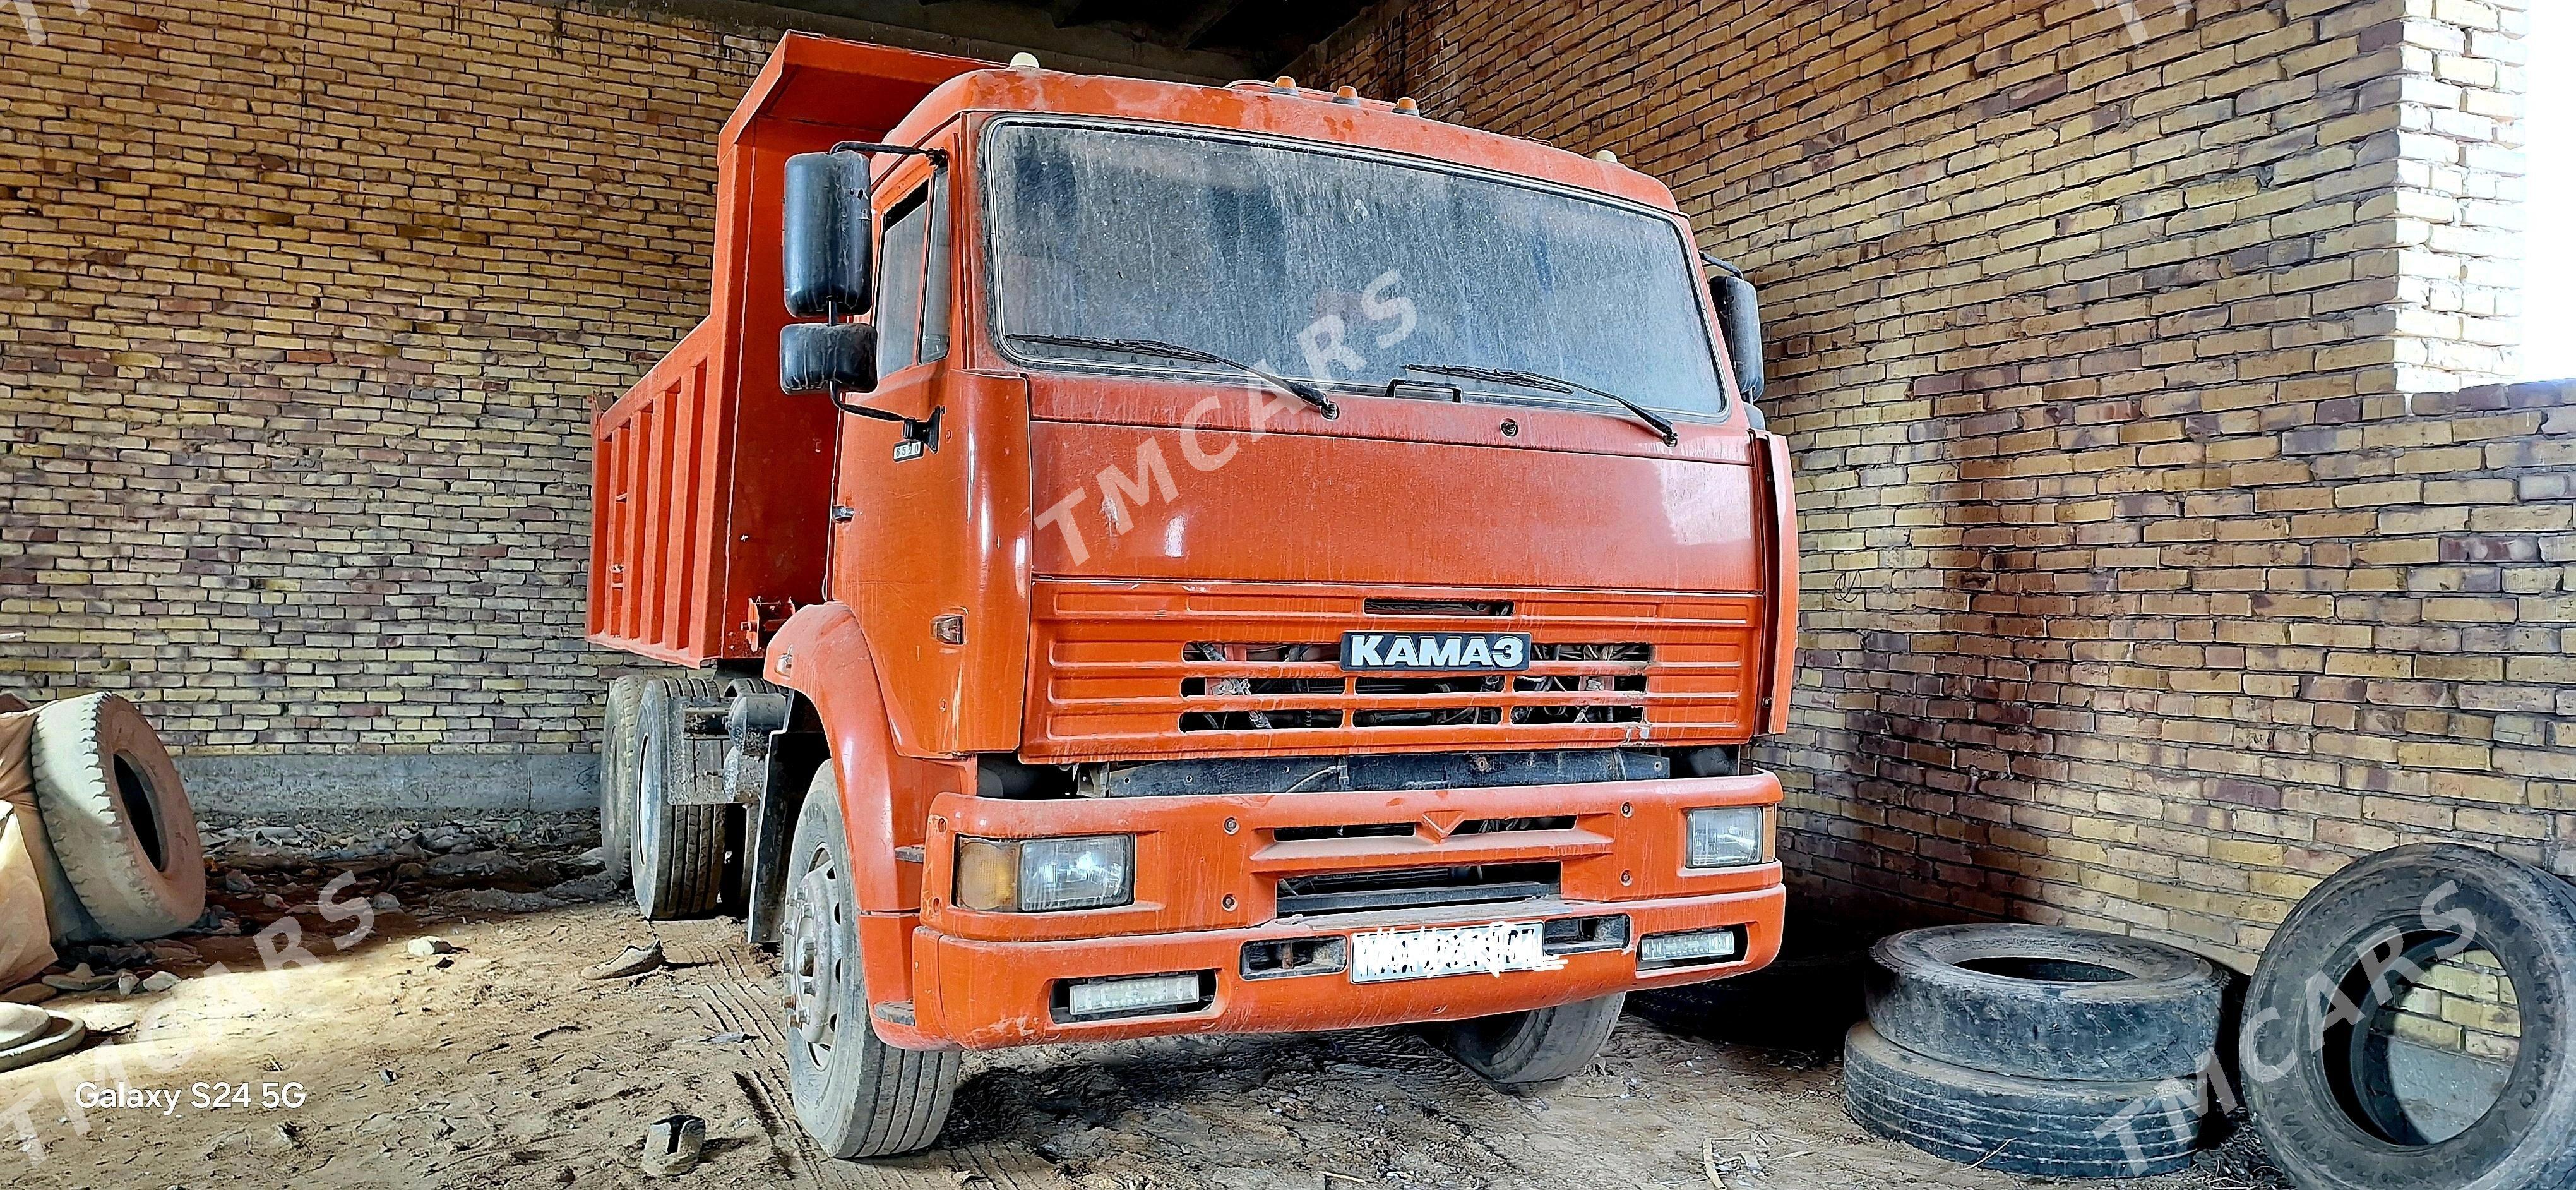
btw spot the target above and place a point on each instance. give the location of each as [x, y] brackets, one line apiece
[1739, 318]
[818, 357]
[825, 236]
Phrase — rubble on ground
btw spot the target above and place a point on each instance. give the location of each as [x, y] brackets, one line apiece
[329, 875]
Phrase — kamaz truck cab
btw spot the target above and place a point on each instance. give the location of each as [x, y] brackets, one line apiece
[1182, 559]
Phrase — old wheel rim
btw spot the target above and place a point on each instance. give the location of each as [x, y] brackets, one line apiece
[815, 963]
[645, 827]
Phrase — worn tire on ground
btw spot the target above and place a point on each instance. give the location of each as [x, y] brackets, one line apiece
[855, 1095]
[1538, 1046]
[2047, 1127]
[117, 817]
[620, 767]
[678, 852]
[2325, 1115]
[2030, 1001]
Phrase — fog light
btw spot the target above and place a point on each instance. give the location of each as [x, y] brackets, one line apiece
[1728, 836]
[1698, 947]
[1044, 875]
[1143, 993]
[1277, 957]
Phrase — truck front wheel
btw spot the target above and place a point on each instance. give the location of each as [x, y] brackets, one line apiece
[1538, 1046]
[855, 1095]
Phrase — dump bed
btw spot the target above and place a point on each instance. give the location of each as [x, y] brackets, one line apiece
[710, 488]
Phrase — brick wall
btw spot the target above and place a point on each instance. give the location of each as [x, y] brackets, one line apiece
[2468, 1005]
[2152, 570]
[2152, 574]
[303, 313]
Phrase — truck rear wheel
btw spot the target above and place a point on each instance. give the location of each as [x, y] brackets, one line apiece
[855, 1095]
[1538, 1046]
[678, 850]
[620, 770]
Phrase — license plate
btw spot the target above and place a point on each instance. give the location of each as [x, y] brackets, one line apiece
[1384, 956]
[1451, 652]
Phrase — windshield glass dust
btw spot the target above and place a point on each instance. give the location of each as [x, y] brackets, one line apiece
[1335, 268]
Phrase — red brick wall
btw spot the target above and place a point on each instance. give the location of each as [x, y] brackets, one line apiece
[2140, 592]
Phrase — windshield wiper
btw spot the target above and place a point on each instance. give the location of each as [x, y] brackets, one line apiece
[1295, 388]
[1557, 384]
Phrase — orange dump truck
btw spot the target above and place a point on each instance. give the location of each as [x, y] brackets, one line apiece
[1183, 559]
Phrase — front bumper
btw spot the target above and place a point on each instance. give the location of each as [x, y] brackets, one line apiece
[1208, 874]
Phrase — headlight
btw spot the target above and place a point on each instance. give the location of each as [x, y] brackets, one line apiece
[1729, 836]
[1041, 875]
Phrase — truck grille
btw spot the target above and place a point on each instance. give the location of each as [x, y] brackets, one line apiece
[1449, 701]
[1145, 669]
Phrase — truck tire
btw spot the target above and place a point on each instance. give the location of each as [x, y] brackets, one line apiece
[117, 817]
[855, 1095]
[2047, 1127]
[620, 767]
[679, 851]
[1538, 1046]
[2047, 1002]
[2319, 1092]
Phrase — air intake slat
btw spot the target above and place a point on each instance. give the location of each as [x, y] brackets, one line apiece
[1436, 607]
[1407, 888]
[1248, 669]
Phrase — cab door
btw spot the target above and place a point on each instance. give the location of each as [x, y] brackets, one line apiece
[916, 551]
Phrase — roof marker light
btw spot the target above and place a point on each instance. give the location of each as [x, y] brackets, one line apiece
[1606, 155]
[1284, 85]
[1405, 107]
[1349, 95]
[1024, 61]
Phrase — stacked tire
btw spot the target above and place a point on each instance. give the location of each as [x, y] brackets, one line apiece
[2036, 1049]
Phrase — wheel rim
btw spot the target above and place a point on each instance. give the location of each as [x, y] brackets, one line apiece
[645, 827]
[612, 780]
[817, 966]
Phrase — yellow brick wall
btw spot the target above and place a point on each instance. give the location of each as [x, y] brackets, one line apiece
[2152, 569]
[303, 312]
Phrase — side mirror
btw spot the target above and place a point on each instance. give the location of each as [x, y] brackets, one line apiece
[818, 357]
[1739, 318]
[826, 233]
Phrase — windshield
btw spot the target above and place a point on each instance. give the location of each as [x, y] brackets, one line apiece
[1335, 268]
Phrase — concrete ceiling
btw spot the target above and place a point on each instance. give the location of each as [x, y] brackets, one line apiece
[1197, 40]
[1259, 33]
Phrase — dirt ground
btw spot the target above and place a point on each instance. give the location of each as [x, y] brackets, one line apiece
[365, 1064]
